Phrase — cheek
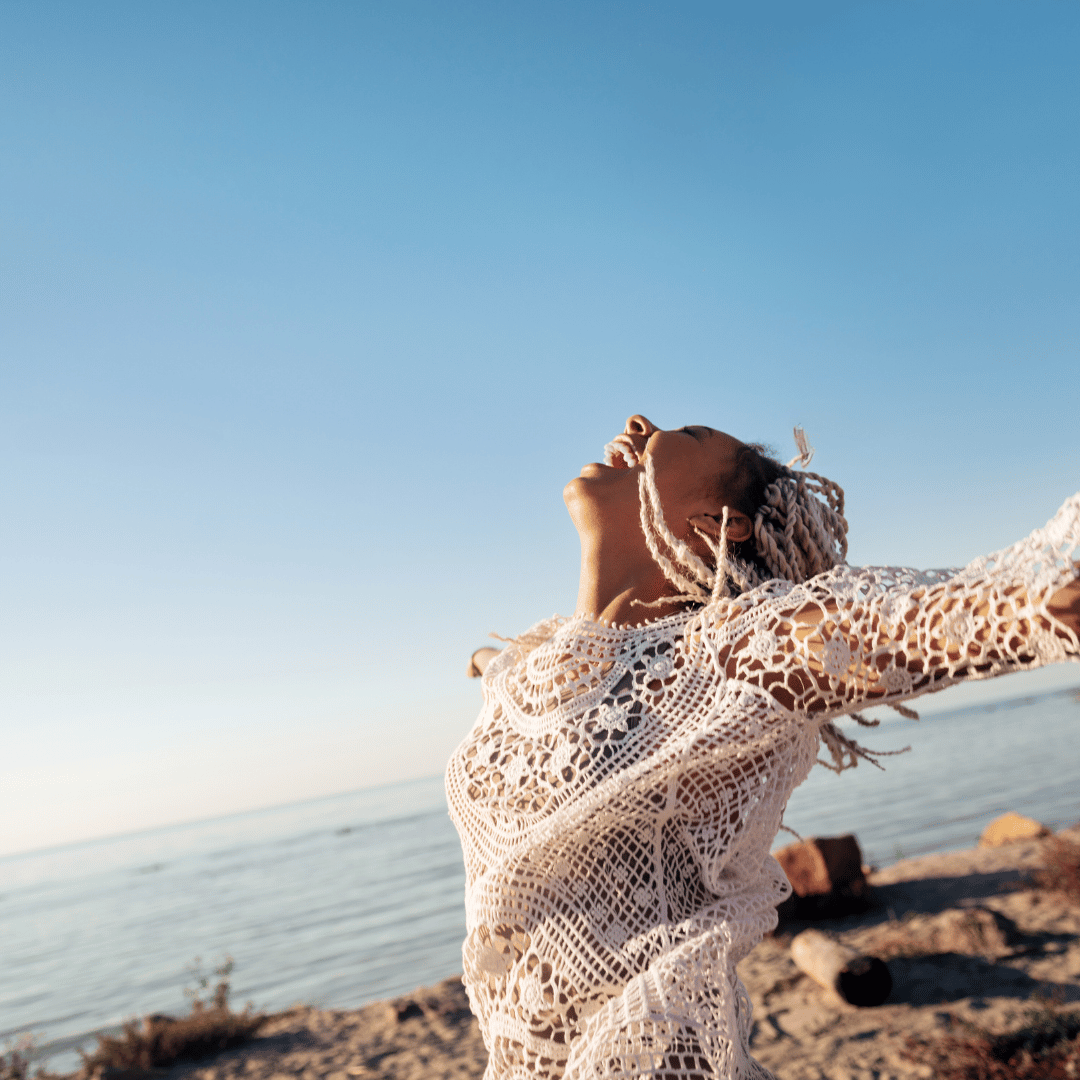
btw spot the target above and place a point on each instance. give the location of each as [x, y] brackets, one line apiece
[680, 464]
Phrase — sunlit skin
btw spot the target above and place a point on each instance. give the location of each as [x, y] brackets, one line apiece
[618, 573]
[692, 464]
[1064, 605]
[617, 568]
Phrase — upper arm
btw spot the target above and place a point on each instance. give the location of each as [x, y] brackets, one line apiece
[858, 636]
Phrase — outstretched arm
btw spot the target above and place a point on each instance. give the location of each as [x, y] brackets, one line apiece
[859, 636]
[943, 634]
[1064, 605]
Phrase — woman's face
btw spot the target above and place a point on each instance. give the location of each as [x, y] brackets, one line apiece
[691, 465]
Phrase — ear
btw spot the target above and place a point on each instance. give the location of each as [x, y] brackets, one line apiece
[738, 526]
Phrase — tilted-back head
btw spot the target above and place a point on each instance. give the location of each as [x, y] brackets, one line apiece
[799, 528]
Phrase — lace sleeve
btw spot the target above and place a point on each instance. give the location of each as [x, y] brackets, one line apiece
[861, 636]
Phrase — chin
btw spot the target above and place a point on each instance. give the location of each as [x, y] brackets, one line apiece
[594, 468]
[581, 491]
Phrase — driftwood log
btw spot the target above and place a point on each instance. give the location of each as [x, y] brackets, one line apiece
[827, 879]
[858, 979]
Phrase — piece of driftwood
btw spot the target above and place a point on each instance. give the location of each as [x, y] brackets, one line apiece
[858, 979]
[827, 879]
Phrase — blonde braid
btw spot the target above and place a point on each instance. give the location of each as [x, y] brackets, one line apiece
[684, 554]
[720, 551]
[799, 531]
[798, 535]
[655, 529]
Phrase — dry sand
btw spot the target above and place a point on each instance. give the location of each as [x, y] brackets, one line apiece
[966, 939]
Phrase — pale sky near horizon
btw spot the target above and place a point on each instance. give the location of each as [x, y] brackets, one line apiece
[309, 310]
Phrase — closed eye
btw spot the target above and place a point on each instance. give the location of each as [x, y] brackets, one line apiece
[691, 432]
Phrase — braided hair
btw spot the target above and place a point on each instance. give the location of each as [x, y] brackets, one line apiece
[799, 530]
[798, 518]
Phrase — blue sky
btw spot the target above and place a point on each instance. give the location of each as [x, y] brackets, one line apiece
[308, 312]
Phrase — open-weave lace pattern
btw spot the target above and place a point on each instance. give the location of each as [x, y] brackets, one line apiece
[620, 791]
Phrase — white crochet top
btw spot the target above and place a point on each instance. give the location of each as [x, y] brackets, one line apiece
[620, 791]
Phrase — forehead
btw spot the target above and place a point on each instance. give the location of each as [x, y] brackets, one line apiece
[716, 441]
[721, 450]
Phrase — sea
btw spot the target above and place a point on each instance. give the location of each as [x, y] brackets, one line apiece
[344, 900]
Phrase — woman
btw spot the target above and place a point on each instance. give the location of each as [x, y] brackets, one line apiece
[620, 792]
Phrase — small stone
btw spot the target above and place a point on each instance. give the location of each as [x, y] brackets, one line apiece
[1010, 828]
[404, 1009]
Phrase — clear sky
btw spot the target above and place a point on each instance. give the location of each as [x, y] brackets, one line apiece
[309, 310]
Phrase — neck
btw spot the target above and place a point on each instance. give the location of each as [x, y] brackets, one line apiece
[616, 581]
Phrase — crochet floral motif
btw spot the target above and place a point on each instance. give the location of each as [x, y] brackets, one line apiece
[531, 994]
[896, 681]
[660, 667]
[620, 791]
[836, 657]
[612, 718]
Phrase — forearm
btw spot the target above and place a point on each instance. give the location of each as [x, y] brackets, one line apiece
[849, 652]
[1064, 605]
[878, 634]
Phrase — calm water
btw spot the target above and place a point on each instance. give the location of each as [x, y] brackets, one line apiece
[357, 897]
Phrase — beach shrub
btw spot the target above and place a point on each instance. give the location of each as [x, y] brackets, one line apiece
[157, 1041]
[15, 1059]
[1062, 873]
[1045, 1048]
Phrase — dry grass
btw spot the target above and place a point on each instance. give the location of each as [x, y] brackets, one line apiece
[157, 1041]
[1062, 873]
[1046, 1048]
[15, 1059]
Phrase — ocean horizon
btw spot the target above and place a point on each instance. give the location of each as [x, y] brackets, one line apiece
[345, 899]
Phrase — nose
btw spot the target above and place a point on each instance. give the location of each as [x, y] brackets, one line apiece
[639, 425]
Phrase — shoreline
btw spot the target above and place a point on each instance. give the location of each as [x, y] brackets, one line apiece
[968, 940]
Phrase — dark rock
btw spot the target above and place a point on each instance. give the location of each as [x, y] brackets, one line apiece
[406, 1010]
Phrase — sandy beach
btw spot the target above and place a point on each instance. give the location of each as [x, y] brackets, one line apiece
[967, 938]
